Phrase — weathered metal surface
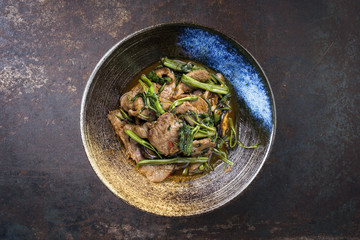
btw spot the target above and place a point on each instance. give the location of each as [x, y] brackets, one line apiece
[310, 185]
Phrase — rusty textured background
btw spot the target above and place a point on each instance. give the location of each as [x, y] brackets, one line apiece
[308, 188]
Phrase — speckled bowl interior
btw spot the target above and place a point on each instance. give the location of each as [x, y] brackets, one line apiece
[255, 118]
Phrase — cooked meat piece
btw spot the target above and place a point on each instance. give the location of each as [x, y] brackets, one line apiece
[212, 97]
[198, 106]
[220, 76]
[125, 100]
[134, 107]
[169, 88]
[164, 135]
[165, 103]
[115, 121]
[202, 147]
[131, 146]
[165, 72]
[156, 173]
[183, 108]
[199, 93]
[138, 104]
[145, 114]
[181, 88]
[200, 75]
[224, 124]
[141, 130]
[193, 167]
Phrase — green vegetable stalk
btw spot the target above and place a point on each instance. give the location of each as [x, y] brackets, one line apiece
[204, 134]
[256, 145]
[145, 88]
[142, 141]
[153, 99]
[209, 105]
[206, 86]
[216, 79]
[161, 88]
[123, 116]
[148, 82]
[202, 125]
[119, 116]
[179, 66]
[232, 139]
[181, 101]
[223, 156]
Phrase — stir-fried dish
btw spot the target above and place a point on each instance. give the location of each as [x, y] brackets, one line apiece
[176, 119]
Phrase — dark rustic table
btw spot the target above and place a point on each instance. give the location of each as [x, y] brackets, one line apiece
[309, 186]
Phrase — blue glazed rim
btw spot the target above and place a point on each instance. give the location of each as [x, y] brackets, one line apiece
[225, 55]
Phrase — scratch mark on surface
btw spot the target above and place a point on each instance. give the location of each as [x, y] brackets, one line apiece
[321, 59]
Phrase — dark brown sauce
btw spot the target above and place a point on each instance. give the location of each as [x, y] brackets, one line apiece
[214, 161]
[133, 83]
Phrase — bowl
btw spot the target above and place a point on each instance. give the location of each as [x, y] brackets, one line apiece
[255, 118]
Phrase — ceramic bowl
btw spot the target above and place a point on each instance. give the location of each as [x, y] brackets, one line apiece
[255, 118]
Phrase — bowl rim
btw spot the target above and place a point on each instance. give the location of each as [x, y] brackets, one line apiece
[175, 24]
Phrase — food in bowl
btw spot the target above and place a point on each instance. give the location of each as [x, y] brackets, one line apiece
[176, 118]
